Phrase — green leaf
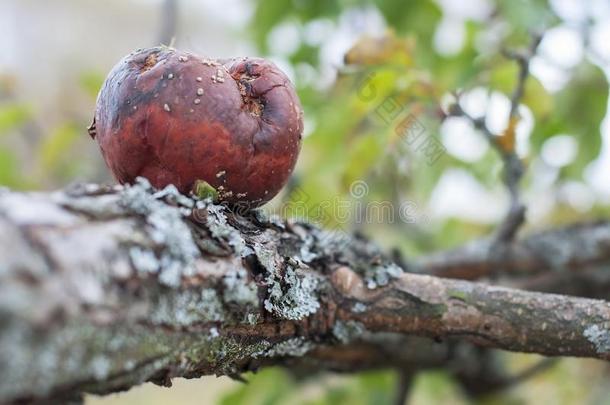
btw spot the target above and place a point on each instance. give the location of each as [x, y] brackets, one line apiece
[92, 82]
[377, 387]
[305, 53]
[420, 17]
[457, 71]
[503, 78]
[204, 190]
[525, 15]
[268, 14]
[365, 153]
[12, 116]
[269, 387]
[9, 173]
[436, 387]
[578, 110]
[56, 151]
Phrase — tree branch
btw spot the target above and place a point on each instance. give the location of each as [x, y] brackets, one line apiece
[102, 288]
[570, 249]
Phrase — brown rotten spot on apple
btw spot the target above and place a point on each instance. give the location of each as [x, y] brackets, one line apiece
[176, 118]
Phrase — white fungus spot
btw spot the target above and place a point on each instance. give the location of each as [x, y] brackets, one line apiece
[218, 77]
[209, 62]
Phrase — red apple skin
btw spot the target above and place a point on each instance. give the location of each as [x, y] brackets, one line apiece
[174, 118]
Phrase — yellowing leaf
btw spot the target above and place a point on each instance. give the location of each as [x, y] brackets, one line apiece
[388, 48]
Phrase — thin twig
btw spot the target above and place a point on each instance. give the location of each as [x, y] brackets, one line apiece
[535, 369]
[169, 22]
[403, 386]
[513, 167]
[513, 172]
[488, 378]
[523, 59]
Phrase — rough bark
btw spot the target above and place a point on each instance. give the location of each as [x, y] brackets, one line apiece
[104, 288]
[574, 248]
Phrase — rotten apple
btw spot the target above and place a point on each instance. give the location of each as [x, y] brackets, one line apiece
[178, 118]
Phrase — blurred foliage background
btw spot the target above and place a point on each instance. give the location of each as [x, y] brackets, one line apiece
[361, 68]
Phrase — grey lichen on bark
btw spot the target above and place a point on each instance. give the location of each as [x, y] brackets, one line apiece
[102, 288]
[100, 284]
